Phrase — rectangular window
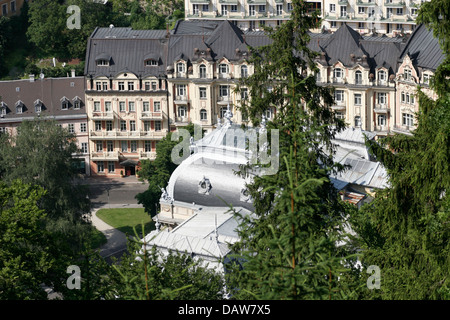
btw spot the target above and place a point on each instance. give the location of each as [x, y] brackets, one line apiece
[224, 10]
[148, 146]
[100, 166]
[157, 125]
[124, 146]
[131, 106]
[279, 9]
[289, 7]
[147, 85]
[98, 85]
[233, 8]
[71, 128]
[195, 9]
[382, 98]
[132, 125]
[96, 106]
[181, 90]
[358, 99]
[251, 10]
[123, 125]
[202, 92]
[130, 86]
[99, 146]
[109, 146]
[154, 86]
[109, 125]
[111, 167]
[244, 93]
[121, 86]
[147, 126]
[108, 107]
[84, 147]
[407, 119]
[83, 127]
[13, 6]
[339, 96]
[361, 10]
[262, 8]
[205, 7]
[146, 106]
[157, 106]
[399, 11]
[122, 106]
[76, 104]
[98, 125]
[133, 146]
[223, 91]
[105, 86]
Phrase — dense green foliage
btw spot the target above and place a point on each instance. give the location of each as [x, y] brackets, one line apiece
[24, 256]
[149, 275]
[288, 248]
[406, 229]
[158, 171]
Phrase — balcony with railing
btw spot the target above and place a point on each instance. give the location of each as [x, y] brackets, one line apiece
[394, 4]
[151, 155]
[125, 135]
[148, 115]
[365, 3]
[100, 115]
[224, 100]
[339, 105]
[181, 99]
[105, 156]
[381, 109]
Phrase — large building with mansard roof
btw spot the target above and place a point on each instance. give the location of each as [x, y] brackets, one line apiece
[141, 84]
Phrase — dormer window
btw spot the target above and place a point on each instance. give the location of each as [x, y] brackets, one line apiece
[38, 106]
[19, 107]
[103, 59]
[102, 62]
[2, 108]
[151, 63]
[426, 78]
[382, 75]
[64, 103]
[223, 68]
[202, 71]
[181, 67]
[76, 103]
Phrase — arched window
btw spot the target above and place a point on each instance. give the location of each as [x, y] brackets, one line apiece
[244, 71]
[382, 75]
[203, 115]
[182, 111]
[202, 71]
[358, 77]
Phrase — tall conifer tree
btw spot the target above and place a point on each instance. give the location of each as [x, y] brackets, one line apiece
[288, 248]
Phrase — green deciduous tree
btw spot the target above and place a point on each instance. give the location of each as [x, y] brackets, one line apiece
[25, 257]
[288, 249]
[158, 172]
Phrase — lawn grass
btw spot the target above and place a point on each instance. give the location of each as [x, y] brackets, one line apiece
[124, 219]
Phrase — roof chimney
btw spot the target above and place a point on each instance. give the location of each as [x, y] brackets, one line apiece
[31, 77]
[72, 71]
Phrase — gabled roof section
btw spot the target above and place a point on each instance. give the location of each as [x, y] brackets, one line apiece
[342, 44]
[424, 49]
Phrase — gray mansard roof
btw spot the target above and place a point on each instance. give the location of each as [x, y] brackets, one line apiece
[424, 49]
[126, 50]
[350, 48]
